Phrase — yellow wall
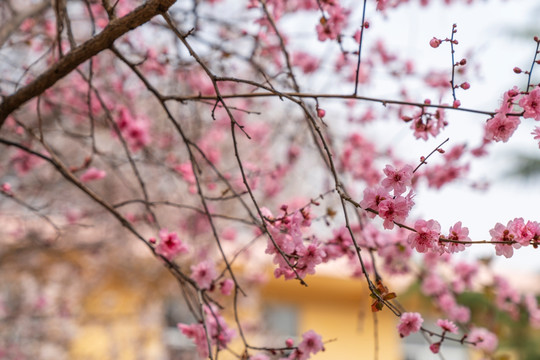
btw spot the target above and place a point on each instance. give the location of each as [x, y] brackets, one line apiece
[338, 309]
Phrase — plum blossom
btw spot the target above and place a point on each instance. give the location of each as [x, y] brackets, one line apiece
[531, 304]
[196, 333]
[439, 175]
[483, 339]
[135, 131]
[218, 331]
[373, 197]
[310, 256]
[435, 347]
[170, 245]
[340, 245]
[464, 275]
[395, 210]
[501, 127]
[507, 298]
[426, 236]
[226, 286]
[531, 104]
[457, 233]
[432, 284]
[6, 188]
[305, 61]
[425, 124]
[447, 326]
[536, 133]
[92, 174]
[287, 235]
[500, 233]
[203, 273]
[357, 158]
[329, 28]
[409, 323]
[311, 343]
[23, 162]
[398, 180]
[523, 232]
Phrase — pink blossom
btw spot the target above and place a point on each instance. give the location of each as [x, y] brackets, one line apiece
[6, 188]
[196, 333]
[501, 127]
[357, 35]
[170, 245]
[309, 257]
[229, 234]
[23, 162]
[329, 28]
[340, 245]
[409, 323]
[536, 133]
[447, 326]
[426, 237]
[483, 339]
[457, 233]
[357, 159]
[531, 304]
[465, 273]
[219, 332]
[373, 197]
[435, 347]
[93, 174]
[311, 343]
[135, 131]
[203, 273]
[425, 124]
[439, 175]
[460, 314]
[531, 104]
[395, 210]
[289, 342]
[454, 153]
[433, 285]
[398, 180]
[523, 232]
[501, 233]
[226, 286]
[307, 62]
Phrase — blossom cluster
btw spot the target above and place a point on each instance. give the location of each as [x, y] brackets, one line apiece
[506, 120]
[219, 332]
[515, 234]
[293, 257]
[391, 208]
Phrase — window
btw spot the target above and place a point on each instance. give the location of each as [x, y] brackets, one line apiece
[178, 346]
[280, 322]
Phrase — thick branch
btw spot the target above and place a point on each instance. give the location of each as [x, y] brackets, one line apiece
[79, 55]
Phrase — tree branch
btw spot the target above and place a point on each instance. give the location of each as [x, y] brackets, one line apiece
[80, 54]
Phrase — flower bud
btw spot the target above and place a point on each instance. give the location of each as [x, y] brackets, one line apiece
[434, 43]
